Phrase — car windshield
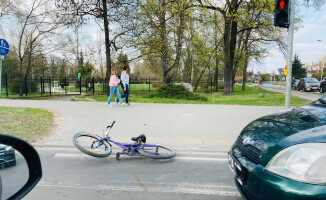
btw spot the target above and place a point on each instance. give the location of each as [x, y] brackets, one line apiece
[321, 100]
[311, 80]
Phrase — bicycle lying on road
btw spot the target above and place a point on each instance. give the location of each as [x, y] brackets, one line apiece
[101, 147]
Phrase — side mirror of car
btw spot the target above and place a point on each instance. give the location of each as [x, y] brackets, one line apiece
[20, 167]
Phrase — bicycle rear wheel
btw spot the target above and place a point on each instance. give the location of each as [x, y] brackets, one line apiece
[87, 143]
[157, 151]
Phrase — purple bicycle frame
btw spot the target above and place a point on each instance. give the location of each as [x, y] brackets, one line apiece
[129, 149]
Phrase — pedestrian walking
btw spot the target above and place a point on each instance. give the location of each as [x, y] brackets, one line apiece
[114, 88]
[125, 85]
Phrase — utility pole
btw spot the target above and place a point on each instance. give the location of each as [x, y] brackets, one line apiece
[1, 58]
[289, 56]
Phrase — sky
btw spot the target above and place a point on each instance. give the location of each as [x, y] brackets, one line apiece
[305, 43]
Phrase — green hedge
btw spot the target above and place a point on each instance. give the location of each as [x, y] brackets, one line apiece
[176, 92]
[14, 86]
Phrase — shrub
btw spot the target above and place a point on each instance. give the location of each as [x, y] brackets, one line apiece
[14, 86]
[176, 92]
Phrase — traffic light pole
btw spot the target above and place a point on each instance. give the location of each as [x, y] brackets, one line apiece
[1, 58]
[289, 56]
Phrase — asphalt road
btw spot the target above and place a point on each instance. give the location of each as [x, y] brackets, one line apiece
[195, 173]
[312, 96]
[200, 134]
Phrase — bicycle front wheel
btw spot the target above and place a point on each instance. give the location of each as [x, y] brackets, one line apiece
[89, 144]
[157, 151]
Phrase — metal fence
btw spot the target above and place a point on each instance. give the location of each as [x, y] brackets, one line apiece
[13, 86]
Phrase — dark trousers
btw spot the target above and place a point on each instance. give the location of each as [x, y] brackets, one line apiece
[126, 93]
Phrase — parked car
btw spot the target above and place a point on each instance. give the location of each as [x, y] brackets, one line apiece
[283, 155]
[34, 172]
[322, 86]
[7, 156]
[295, 84]
[308, 84]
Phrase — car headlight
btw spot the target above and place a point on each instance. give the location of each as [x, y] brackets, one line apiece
[303, 162]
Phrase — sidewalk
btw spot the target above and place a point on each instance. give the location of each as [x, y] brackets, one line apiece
[171, 124]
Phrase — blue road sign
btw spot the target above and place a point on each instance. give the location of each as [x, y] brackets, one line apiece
[4, 47]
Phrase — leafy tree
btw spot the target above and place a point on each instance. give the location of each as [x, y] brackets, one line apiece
[144, 70]
[298, 71]
[86, 69]
[162, 31]
[265, 77]
[76, 12]
[36, 25]
[10, 65]
[62, 73]
[122, 61]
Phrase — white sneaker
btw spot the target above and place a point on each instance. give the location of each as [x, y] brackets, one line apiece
[123, 104]
[109, 105]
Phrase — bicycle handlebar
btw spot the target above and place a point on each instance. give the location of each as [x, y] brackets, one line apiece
[111, 125]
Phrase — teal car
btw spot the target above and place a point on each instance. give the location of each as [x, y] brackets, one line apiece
[283, 155]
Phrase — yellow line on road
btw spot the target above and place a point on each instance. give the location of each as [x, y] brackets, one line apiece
[138, 180]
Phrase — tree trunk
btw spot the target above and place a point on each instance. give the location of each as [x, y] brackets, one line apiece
[230, 39]
[164, 50]
[217, 61]
[200, 77]
[107, 44]
[244, 76]
[164, 55]
[246, 60]
[227, 57]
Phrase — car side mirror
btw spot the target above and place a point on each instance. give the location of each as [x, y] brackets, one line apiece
[20, 167]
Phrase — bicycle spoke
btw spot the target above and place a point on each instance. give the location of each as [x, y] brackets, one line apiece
[92, 145]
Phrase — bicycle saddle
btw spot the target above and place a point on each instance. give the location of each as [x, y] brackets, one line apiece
[142, 138]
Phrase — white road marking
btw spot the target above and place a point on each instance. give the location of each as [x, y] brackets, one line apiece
[201, 159]
[207, 152]
[181, 158]
[207, 189]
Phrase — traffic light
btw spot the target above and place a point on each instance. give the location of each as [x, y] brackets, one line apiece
[282, 13]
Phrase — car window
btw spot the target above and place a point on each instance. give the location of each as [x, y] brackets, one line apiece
[321, 100]
[311, 80]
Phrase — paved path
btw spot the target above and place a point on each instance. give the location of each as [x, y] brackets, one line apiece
[312, 96]
[173, 124]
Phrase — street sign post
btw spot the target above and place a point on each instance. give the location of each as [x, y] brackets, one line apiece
[4, 50]
[289, 56]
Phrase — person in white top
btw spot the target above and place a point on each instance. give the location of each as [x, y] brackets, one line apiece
[125, 84]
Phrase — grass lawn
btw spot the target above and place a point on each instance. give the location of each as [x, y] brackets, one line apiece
[26, 123]
[250, 96]
[32, 96]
